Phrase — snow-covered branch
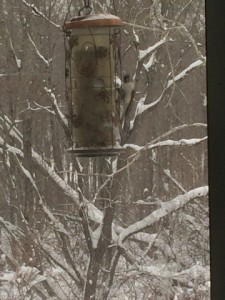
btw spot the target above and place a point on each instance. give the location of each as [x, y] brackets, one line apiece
[155, 143]
[184, 73]
[42, 58]
[182, 142]
[142, 107]
[166, 209]
[8, 75]
[195, 272]
[144, 53]
[17, 60]
[60, 116]
[93, 213]
[38, 13]
[58, 225]
[150, 63]
[76, 275]
[6, 124]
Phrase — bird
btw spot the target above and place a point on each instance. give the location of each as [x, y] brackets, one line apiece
[127, 93]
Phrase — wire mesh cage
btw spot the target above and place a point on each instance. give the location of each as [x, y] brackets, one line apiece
[92, 66]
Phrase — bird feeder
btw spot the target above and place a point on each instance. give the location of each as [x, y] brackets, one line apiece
[92, 64]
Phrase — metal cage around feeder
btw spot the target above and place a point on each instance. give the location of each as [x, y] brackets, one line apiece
[92, 65]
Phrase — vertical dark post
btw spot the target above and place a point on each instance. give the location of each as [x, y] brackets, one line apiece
[215, 12]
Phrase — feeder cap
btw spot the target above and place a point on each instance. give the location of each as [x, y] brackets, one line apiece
[93, 21]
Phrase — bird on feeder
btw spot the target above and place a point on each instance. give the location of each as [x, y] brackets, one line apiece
[127, 93]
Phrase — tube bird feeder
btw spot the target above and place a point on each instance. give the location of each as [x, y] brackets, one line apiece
[92, 66]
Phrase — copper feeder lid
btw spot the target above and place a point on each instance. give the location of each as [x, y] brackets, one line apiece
[93, 21]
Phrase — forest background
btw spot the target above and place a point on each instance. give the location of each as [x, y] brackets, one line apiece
[135, 227]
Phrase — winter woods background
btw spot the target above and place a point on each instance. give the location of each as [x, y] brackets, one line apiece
[132, 228]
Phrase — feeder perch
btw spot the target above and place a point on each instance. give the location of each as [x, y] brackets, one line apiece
[92, 64]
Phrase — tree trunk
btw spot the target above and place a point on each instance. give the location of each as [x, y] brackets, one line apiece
[28, 190]
[90, 287]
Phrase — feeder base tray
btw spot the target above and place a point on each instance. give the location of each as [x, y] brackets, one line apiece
[95, 152]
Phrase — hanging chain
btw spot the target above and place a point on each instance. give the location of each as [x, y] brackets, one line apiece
[86, 9]
[87, 3]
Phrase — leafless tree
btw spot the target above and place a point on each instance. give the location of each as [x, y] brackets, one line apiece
[131, 227]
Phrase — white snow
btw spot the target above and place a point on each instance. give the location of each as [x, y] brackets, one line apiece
[95, 235]
[166, 209]
[151, 62]
[59, 112]
[14, 132]
[182, 142]
[58, 225]
[133, 146]
[143, 202]
[114, 164]
[117, 81]
[99, 17]
[37, 12]
[167, 173]
[7, 276]
[93, 212]
[62, 265]
[184, 72]
[136, 37]
[144, 53]
[19, 282]
[204, 101]
[142, 107]
[193, 273]
[18, 63]
[43, 59]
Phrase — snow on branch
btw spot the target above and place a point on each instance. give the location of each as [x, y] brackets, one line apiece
[29, 275]
[9, 148]
[8, 74]
[13, 230]
[58, 225]
[5, 123]
[37, 12]
[60, 116]
[182, 74]
[166, 209]
[136, 39]
[182, 142]
[96, 215]
[155, 143]
[144, 53]
[195, 272]
[142, 107]
[44, 60]
[41, 107]
[93, 212]
[17, 60]
[151, 62]
[76, 275]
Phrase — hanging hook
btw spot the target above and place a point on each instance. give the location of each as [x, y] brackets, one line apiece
[86, 9]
